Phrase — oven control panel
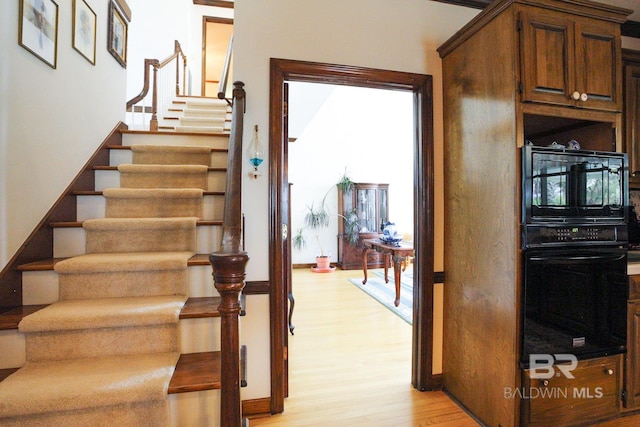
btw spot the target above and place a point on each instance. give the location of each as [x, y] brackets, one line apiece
[568, 234]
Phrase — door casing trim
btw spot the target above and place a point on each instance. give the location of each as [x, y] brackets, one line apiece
[283, 70]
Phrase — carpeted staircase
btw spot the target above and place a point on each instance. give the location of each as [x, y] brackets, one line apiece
[104, 354]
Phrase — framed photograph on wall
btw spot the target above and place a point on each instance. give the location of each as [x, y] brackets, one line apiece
[84, 30]
[117, 37]
[38, 29]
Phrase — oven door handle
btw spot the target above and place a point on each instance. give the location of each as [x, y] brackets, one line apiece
[565, 258]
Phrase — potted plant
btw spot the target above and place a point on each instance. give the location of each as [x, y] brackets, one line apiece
[318, 218]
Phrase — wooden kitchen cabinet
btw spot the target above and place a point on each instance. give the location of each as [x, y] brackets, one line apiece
[507, 79]
[370, 202]
[570, 61]
[632, 374]
[593, 394]
[631, 120]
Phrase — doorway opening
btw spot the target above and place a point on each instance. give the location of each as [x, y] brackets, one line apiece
[217, 34]
[420, 86]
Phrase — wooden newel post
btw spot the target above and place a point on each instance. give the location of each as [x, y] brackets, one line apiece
[228, 277]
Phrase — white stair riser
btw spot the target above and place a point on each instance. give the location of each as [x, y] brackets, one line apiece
[107, 179]
[198, 335]
[194, 409]
[13, 354]
[40, 287]
[201, 281]
[93, 206]
[217, 180]
[68, 242]
[167, 138]
[120, 157]
[208, 238]
[219, 159]
[89, 207]
[213, 207]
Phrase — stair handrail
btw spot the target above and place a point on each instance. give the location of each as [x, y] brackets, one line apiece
[228, 265]
[153, 81]
[222, 86]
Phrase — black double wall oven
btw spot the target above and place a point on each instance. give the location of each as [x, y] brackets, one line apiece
[574, 236]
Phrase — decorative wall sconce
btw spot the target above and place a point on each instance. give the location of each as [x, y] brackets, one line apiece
[255, 153]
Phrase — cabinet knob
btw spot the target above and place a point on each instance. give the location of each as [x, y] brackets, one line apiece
[575, 95]
[584, 97]
[544, 383]
[608, 371]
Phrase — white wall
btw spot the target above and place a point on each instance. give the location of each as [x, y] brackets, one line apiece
[368, 132]
[51, 120]
[400, 36]
[368, 33]
[154, 28]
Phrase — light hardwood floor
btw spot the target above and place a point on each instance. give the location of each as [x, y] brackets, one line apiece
[350, 362]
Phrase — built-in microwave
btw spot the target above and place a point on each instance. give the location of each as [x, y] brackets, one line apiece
[573, 186]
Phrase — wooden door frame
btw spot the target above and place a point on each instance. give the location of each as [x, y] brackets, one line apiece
[282, 70]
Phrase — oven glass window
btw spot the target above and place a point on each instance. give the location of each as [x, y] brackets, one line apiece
[575, 302]
[550, 182]
[568, 184]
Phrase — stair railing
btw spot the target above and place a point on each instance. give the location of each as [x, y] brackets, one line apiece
[165, 83]
[229, 270]
[222, 86]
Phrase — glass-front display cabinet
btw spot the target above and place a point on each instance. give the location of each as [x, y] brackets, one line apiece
[364, 210]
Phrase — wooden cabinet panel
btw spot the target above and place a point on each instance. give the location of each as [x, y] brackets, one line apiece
[547, 58]
[632, 388]
[598, 66]
[592, 395]
[350, 256]
[570, 61]
[632, 121]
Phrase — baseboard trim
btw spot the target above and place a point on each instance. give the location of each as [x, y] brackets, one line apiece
[256, 407]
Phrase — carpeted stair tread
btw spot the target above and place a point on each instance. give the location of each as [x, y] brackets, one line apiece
[200, 129]
[163, 193]
[59, 386]
[171, 154]
[150, 148]
[123, 261]
[104, 313]
[196, 111]
[155, 168]
[109, 235]
[212, 104]
[153, 202]
[163, 176]
[110, 224]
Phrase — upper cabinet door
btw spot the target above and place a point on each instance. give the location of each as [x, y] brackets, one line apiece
[632, 125]
[547, 58]
[570, 61]
[598, 66]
